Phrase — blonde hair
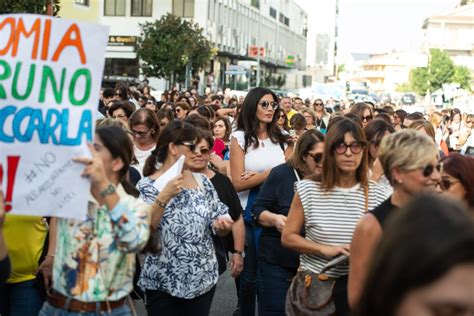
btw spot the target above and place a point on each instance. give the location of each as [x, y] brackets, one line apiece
[407, 149]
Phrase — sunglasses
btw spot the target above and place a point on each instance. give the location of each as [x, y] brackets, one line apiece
[177, 110]
[318, 104]
[139, 134]
[355, 148]
[445, 184]
[266, 104]
[118, 94]
[190, 145]
[202, 151]
[317, 157]
[429, 169]
[281, 116]
[367, 118]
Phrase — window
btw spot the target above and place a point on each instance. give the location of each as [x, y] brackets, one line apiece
[183, 8]
[142, 7]
[287, 21]
[273, 13]
[82, 2]
[282, 18]
[255, 3]
[114, 8]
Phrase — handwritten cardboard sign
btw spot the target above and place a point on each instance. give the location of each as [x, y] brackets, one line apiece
[50, 78]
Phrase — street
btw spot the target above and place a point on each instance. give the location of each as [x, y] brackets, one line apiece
[225, 298]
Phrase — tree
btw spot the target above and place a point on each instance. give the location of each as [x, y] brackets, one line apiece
[28, 6]
[462, 75]
[441, 69]
[168, 45]
[419, 80]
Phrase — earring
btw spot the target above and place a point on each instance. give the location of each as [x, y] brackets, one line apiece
[400, 181]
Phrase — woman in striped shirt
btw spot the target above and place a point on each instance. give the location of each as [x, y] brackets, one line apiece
[330, 206]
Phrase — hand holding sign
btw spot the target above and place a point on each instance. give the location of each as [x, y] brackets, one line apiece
[172, 188]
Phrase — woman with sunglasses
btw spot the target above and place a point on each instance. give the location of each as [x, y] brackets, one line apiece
[364, 111]
[145, 128]
[256, 147]
[375, 131]
[282, 122]
[322, 118]
[235, 242]
[328, 209]
[457, 178]
[181, 110]
[276, 264]
[410, 163]
[181, 279]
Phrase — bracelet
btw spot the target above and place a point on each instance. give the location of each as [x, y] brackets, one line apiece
[159, 203]
[52, 256]
[110, 189]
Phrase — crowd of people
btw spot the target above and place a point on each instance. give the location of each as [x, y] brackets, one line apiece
[315, 208]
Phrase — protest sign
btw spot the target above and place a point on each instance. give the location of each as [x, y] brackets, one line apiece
[50, 78]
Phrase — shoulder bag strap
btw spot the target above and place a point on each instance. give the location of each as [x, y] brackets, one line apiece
[297, 175]
[366, 196]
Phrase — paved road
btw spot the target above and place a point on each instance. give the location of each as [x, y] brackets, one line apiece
[225, 298]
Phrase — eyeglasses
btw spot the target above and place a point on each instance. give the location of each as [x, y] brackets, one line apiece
[445, 184]
[150, 102]
[118, 94]
[177, 110]
[429, 169]
[317, 157]
[266, 104]
[140, 134]
[318, 104]
[367, 118]
[355, 148]
[281, 116]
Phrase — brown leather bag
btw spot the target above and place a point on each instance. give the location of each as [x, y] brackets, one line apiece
[310, 294]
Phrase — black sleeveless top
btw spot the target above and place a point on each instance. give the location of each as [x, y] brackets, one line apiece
[383, 211]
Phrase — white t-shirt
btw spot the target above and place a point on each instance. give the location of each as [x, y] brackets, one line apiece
[266, 156]
[141, 156]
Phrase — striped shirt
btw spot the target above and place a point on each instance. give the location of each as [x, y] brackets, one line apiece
[330, 218]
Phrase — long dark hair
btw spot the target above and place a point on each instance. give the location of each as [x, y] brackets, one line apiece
[175, 132]
[119, 145]
[248, 123]
[421, 243]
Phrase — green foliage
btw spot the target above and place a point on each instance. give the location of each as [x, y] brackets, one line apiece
[404, 87]
[441, 69]
[168, 44]
[28, 6]
[462, 75]
[419, 80]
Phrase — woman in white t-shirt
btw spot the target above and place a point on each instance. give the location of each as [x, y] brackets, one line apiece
[145, 128]
[256, 147]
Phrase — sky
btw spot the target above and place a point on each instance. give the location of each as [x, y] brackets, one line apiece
[375, 26]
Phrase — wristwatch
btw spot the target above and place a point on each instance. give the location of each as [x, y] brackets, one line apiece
[110, 189]
[241, 253]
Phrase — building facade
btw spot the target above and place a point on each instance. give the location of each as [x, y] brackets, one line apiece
[278, 28]
[452, 32]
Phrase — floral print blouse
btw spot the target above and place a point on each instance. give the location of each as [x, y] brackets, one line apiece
[186, 267]
[95, 257]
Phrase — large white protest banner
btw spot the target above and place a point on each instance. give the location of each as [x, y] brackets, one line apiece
[50, 78]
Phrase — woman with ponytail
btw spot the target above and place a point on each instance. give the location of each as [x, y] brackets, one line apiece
[94, 258]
